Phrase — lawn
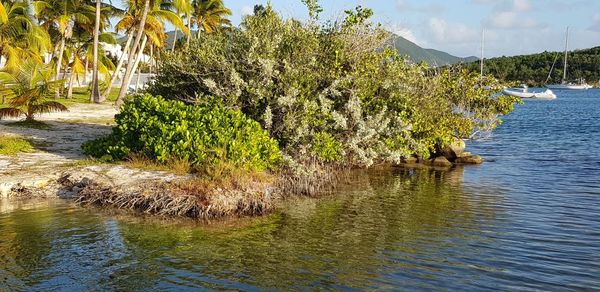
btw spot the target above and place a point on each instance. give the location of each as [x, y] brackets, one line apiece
[80, 95]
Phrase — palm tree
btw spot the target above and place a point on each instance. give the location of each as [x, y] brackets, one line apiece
[80, 52]
[182, 8]
[210, 15]
[20, 37]
[61, 16]
[30, 88]
[95, 92]
[149, 20]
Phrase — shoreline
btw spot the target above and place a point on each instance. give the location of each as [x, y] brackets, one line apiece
[165, 195]
[59, 169]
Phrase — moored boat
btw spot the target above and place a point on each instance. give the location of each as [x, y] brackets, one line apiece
[525, 93]
[564, 85]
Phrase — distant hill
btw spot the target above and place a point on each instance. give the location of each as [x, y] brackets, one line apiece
[432, 57]
[533, 69]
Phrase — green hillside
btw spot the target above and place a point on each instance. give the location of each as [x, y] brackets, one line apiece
[430, 56]
[533, 69]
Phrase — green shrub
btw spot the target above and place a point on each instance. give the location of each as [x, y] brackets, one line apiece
[335, 93]
[205, 135]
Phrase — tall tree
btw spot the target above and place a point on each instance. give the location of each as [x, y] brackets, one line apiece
[20, 37]
[59, 17]
[182, 8]
[81, 51]
[133, 52]
[149, 20]
[210, 15]
[96, 97]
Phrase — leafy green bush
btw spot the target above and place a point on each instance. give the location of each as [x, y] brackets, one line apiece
[205, 135]
[334, 93]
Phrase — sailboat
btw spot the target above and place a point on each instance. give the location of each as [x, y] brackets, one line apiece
[564, 84]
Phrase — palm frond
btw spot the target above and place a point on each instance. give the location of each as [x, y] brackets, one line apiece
[11, 112]
[49, 107]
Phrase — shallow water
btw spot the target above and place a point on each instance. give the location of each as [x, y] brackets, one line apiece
[528, 219]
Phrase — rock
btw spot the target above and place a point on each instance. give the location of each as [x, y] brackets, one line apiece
[441, 161]
[409, 160]
[41, 183]
[85, 181]
[454, 150]
[5, 189]
[470, 159]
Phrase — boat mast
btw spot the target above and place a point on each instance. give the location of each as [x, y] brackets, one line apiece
[482, 47]
[564, 79]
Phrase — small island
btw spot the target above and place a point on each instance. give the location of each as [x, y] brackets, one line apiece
[234, 118]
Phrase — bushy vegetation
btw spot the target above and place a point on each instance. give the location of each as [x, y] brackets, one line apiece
[533, 69]
[206, 135]
[331, 93]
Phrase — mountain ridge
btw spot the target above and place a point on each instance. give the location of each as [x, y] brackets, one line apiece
[433, 57]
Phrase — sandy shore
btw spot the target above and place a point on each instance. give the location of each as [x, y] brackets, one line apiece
[58, 152]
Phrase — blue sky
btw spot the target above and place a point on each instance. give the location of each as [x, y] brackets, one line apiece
[512, 27]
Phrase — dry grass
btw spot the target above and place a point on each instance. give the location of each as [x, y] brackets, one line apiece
[312, 181]
[194, 199]
[221, 191]
[175, 166]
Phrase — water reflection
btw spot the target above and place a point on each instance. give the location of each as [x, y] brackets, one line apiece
[410, 228]
[378, 223]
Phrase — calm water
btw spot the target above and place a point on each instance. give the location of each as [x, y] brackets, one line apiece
[527, 219]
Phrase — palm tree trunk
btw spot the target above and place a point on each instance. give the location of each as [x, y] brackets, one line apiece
[189, 36]
[174, 40]
[87, 64]
[115, 75]
[70, 90]
[137, 82]
[61, 51]
[138, 59]
[130, 63]
[151, 63]
[95, 97]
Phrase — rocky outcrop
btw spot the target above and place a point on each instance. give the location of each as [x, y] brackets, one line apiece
[469, 159]
[454, 150]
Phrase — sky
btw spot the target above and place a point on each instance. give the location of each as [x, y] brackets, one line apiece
[512, 27]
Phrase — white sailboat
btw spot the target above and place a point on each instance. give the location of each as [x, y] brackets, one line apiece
[524, 92]
[564, 85]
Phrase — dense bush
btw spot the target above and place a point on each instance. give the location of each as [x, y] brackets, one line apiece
[332, 93]
[534, 69]
[205, 135]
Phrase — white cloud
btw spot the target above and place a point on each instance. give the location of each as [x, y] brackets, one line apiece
[404, 32]
[521, 5]
[247, 10]
[511, 20]
[596, 23]
[447, 32]
[512, 14]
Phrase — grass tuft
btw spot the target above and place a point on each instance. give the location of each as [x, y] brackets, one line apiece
[14, 145]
